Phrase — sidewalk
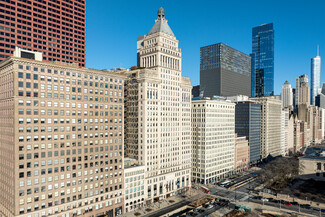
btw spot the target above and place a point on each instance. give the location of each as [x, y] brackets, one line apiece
[163, 205]
[257, 208]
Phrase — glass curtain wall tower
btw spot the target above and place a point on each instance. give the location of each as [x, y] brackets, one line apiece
[263, 60]
[315, 88]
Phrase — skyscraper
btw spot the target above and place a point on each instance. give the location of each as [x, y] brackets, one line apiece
[302, 90]
[224, 71]
[213, 130]
[286, 95]
[55, 28]
[248, 123]
[61, 140]
[158, 114]
[271, 119]
[263, 60]
[315, 72]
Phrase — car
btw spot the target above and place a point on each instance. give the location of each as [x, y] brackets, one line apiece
[322, 210]
[210, 206]
[306, 206]
[264, 199]
[295, 203]
[288, 203]
[195, 210]
[201, 210]
[205, 205]
[316, 209]
[212, 202]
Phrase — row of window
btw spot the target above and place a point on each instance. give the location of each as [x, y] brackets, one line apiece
[73, 74]
[36, 77]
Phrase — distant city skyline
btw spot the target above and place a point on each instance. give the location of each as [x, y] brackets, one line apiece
[111, 36]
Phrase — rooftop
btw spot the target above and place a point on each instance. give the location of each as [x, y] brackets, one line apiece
[161, 24]
[315, 152]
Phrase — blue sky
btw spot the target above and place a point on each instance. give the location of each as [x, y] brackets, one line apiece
[113, 28]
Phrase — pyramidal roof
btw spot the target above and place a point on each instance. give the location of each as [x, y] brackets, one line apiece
[161, 24]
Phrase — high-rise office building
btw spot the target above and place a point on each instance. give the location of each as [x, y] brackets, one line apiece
[61, 146]
[263, 60]
[302, 90]
[55, 28]
[213, 138]
[320, 98]
[286, 95]
[271, 119]
[158, 114]
[248, 123]
[224, 71]
[315, 73]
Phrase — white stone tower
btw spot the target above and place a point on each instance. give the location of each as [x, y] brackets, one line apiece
[164, 107]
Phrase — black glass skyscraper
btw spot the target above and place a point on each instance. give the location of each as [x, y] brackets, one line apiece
[224, 71]
[248, 123]
[263, 60]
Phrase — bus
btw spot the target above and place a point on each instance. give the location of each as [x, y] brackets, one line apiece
[225, 183]
[205, 189]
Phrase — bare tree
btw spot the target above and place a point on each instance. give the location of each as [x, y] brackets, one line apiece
[280, 172]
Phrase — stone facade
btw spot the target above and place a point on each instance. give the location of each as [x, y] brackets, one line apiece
[213, 138]
[134, 194]
[270, 125]
[158, 114]
[312, 168]
[241, 154]
[61, 145]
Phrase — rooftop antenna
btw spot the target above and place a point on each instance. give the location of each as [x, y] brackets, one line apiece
[318, 50]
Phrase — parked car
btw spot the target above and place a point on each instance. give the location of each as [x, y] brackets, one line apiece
[295, 203]
[264, 199]
[201, 210]
[210, 206]
[288, 203]
[306, 206]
